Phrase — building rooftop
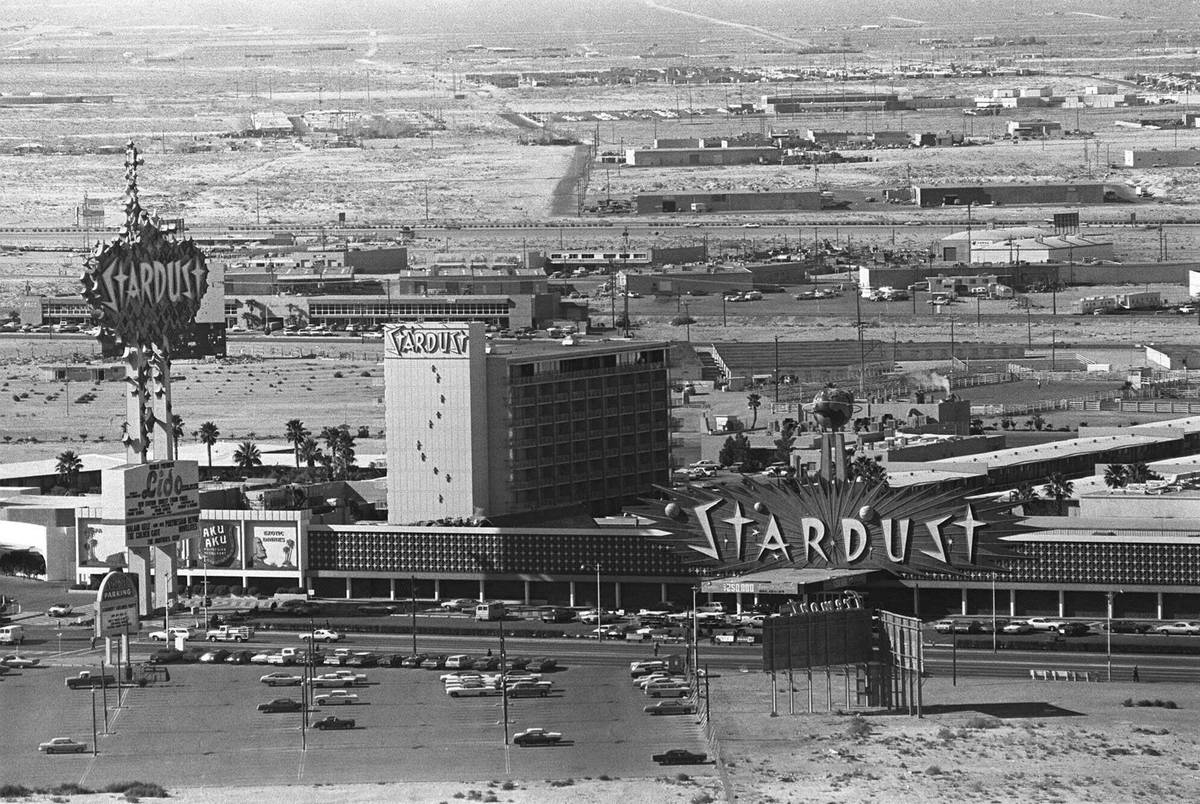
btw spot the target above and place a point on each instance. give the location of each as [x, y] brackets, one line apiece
[516, 351]
[1054, 450]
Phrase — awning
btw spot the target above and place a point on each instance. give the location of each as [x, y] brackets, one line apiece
[789, 581]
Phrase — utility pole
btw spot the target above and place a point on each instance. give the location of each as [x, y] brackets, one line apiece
[413, 590]
[862, 355]
[776, 369]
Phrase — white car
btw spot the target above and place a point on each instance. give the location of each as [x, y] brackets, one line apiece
[455, 691]
[261, 658]
[1190, 628]
[62, 745]
[280, 679]
[322, 635]
[459, 604]
[1017, 627]
[335, 698]
[1045, 624]
[350, 676]
[170, 634]
[16, 660]
[59, 610]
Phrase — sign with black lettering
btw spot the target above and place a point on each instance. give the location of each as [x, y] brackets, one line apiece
[117, 605]
[155, 503]
[427, 340]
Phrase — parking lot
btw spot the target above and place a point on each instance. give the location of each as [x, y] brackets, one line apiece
[193, 731]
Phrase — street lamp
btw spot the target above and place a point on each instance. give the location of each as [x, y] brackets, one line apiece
[1109, 597]
[599, 610]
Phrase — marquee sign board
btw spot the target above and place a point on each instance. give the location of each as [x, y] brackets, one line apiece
[117, 605]
[754, 525]
[427, 340]
[148, 289]
[816, 639]
[156, 503]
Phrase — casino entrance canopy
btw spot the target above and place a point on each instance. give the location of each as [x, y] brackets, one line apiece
[791, 581]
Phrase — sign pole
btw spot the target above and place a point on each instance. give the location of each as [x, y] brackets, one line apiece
[104, 690]
[95, 740]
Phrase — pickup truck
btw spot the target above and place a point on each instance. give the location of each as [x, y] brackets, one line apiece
[286, 656]
[89, 680]
[226, 633]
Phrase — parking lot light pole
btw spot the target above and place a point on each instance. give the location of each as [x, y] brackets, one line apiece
[413, 587]
[695, 632]
[95, 739]
[994, 612]
[1109, 595]
[503, 681]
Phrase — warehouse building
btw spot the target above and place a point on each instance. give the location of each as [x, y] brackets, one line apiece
[780, 201]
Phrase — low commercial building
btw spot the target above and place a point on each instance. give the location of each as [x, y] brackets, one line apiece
[695, 201]
[1022, 244]
[704, 279]
[687, 157]
[1182, 157]
[1011, 194]
[1035, 129]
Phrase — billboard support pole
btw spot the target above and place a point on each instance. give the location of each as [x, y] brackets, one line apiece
[774, 695]
[104, 691]
[810, 690]
[95, 740]
[828, 690]
[791, 692]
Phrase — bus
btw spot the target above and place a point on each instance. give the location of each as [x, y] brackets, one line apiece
[494, 610]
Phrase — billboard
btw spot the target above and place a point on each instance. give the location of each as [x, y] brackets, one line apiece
[816, 639]
[155, 503]
[272, 546]
[117, 605]
[101, 545]
[219, 544]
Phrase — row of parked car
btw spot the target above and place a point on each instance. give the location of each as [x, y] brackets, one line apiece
[1066, 627]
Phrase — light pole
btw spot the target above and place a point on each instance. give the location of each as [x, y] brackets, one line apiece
[994, 646]
[1109, 596]
[413, 588]
[503, 680]
[695, 632]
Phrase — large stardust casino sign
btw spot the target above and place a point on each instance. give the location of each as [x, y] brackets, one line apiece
[147, 289]
[428, 340]
[833, 525]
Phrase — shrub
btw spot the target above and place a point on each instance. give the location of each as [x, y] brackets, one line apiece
[980, 722]
[1170, 705]
[14, 791]
[220, 590]
[1116, 751]
[933, 770]
[945, 734]
[337, 375]
[238, 590]
[1127, 702]
[1158, 702]
[858, 727]
[682, 777]
[508, 785]
[1145, 702]
[702, 798]
[70, 789]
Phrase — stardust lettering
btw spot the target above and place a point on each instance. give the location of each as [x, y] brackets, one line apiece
[821, 542]
[430, 341]
[153, 283]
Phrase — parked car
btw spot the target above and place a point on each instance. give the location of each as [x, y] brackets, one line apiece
[958, 626]
[459, 604]
[536, 736]
[335, 698]
[62, 745]
[280, 705]
[239, 657]
[1126, 627]
[218, 655]
[280, 680]
[59, 610]
[1189, 628]
[679, 756]
[413, 660]
[670, 708]
[332, 722]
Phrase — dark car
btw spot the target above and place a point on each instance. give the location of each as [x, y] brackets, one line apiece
[392, 660]
[280, 705]
[557, 615]
[518, 662]
[542, 665]
[332, 722]
[1128, 627]
[679, 756]
[434, 662]
[414, 660]
[239, 657]
[377, 610]
[1073, 629]
[166, 656]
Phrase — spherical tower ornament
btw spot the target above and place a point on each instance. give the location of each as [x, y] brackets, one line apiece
[866, 513]
[832, 407]
[760, 507]
[673, 511]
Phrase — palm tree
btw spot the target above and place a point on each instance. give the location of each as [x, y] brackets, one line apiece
[753, 401]
[1116, 476]
[176, 430]
[339, 446]
[869, 471]
[1060, 489]
[68, 467]
[309, 451]
[247, 456]
[295, 432]
[1024, 492]
[1139, 472]
[208, 436]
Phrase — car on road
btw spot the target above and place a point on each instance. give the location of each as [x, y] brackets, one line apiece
[62, 745]
[1017, 627]
[1044, 624]
[59, 610]
[670, 708]
[17, 660]
[1189, 628]
[555, 614]
[322, 635]
[680, 756]
[171, 634]
[1073, 629]
[332, 722]
[335, 698]
[280, 705]
[280, 680]
[751, 225]
[536, 736]
[459, 604]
